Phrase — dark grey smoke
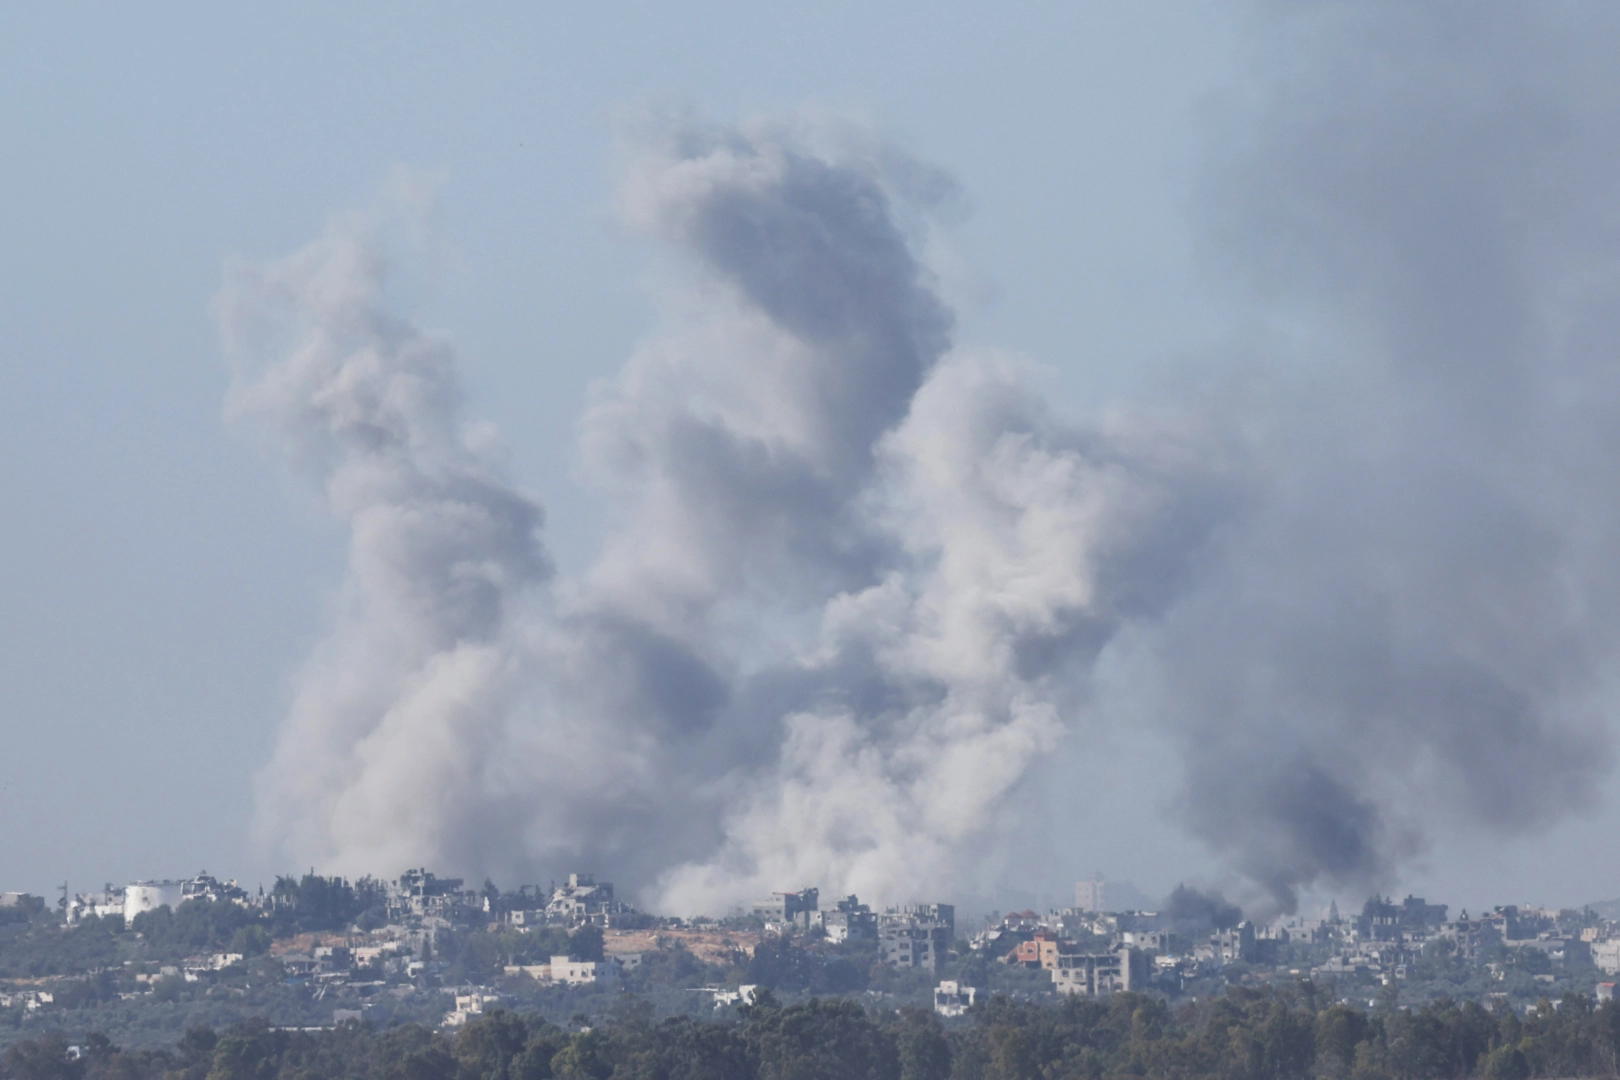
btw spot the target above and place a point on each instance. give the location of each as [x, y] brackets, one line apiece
[1412, 621]
[1193, 912]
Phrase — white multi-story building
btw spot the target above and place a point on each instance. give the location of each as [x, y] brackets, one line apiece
[140, 897]
[582, 899]
[143, 896]
[566, 969]
[916, 935]
[1606, 955]
[469, 1006]
[1100, 974]
[951, 998]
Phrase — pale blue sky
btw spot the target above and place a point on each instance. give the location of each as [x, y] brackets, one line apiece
[159, 580]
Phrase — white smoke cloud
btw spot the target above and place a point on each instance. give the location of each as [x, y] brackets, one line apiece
[860, 578]
[854, 592]
[387, 745]
[936, 687]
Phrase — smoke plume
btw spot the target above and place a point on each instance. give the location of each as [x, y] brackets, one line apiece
[1193, 912]
[861, 577]
[1414, 619]
[387, 744]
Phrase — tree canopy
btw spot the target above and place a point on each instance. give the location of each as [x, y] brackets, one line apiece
[1290, 1034]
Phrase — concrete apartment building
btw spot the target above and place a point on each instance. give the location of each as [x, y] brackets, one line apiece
[916, 935]
[849, 920]
[1606, 956]
[1091, 895]
[801, 909]
[1100, 975]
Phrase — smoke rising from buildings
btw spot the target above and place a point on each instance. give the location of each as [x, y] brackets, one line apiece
[861, 576]
[1192, 912]
[1414, 620]
[406, 694]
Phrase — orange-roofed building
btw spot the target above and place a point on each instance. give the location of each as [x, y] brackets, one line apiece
[1042, 951]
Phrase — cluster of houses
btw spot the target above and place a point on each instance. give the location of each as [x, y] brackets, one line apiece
[1095, 953]
[923, 935]
[1086, 949]
[26, 999]
[419, 907]
[911, 935]
[424, 906]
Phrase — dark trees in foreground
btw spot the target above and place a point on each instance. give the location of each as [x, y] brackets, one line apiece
[1244, 1035]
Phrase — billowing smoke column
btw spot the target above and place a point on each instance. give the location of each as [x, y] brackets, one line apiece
[1193, 913]
[858, 585]
[861, 579]
[387, 745]
[1414, 621]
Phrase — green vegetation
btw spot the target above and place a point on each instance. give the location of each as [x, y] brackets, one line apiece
[40, 945]
[196, 926]
[313, 903]
[781, 963]
[1241, 1035]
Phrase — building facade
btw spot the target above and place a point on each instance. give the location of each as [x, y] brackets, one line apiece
[1099, 975]
[916, 935]
[1091, 895]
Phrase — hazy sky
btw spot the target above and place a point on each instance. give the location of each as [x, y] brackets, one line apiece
[159, 583]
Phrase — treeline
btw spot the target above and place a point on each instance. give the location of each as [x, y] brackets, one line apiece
[315, 903]
[24, 911]
[1243, 1035]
